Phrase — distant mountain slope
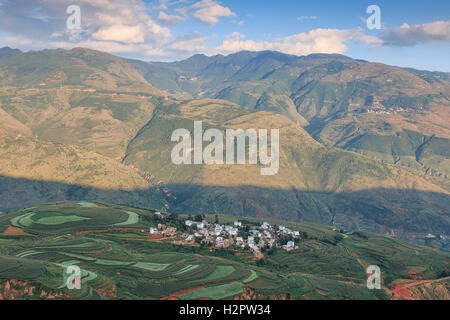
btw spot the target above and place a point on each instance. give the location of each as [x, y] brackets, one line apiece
[314, 183]
[7, 52]
[339, 100]
[37, 160]
[77, 67]
[82, 97]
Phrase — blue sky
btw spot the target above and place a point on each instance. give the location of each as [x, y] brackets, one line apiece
[413, 33]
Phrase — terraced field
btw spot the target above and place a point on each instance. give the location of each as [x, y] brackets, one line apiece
[119, 260]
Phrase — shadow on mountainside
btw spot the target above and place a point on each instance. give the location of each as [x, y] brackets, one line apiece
[410, 214]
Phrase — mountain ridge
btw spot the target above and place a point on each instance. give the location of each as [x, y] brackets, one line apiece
[102, 108]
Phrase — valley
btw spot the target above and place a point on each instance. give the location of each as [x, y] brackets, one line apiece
[363, 146]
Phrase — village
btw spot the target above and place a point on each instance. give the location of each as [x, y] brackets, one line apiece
[255, 238]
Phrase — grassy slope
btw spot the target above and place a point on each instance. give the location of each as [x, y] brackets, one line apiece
[94, 105]
[333, 93]
[327, 264]
[314, 183]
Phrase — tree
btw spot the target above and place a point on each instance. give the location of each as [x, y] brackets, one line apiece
[284, 239]
[260, 262]
[217, 219]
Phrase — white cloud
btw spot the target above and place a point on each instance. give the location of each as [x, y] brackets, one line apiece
[125, 21]
[301, 18]
[130, 28]
[209, 12]
[235, 36]
[169, 20]
[121, 33]
[407, 35]
[314, 41]
[163, 5]
[189, 44]
[125, 27]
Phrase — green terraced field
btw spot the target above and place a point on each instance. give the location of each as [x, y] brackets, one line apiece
[133, 218]
[220, 272]
[324, 266]
[151, 266]
[215, 292]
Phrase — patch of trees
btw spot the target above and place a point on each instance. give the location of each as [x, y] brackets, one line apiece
[360, 235]
[285, 238]
[445, 274]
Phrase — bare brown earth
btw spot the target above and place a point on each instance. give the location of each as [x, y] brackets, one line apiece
[421, 290]
[16, 290]
[13, 231]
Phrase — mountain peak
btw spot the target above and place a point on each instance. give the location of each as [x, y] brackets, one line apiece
[7, 52]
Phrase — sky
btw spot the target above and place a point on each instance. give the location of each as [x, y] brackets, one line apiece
[410, 34]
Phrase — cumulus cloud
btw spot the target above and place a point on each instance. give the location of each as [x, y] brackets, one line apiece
[192, 43]
[407, 35]
[168, 19]
[133, 28]
[124, 21]
[314, 41]
[127, 27]
[121, 33]
[209, 12]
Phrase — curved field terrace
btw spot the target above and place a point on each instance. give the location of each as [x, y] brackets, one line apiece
[132, 253]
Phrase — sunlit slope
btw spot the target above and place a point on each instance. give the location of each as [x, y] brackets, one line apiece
[80, 97]
[77, 67]
[314, 183]
[89, 125]
[347, 103]
[66, 117]
[48, 161]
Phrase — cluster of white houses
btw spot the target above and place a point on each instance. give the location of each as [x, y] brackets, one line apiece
[258, 237]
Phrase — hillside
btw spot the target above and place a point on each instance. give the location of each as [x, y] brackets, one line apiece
[81, 124]
[388, 113]
[76, 67]
[7, 52]
[314, 183]
[119, 259]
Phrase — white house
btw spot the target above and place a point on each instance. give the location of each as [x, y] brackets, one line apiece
[153, 231]
[219, 241]
[189, 223]
[200, 225]
[218, 230]
[290, 244]
[238, 224]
